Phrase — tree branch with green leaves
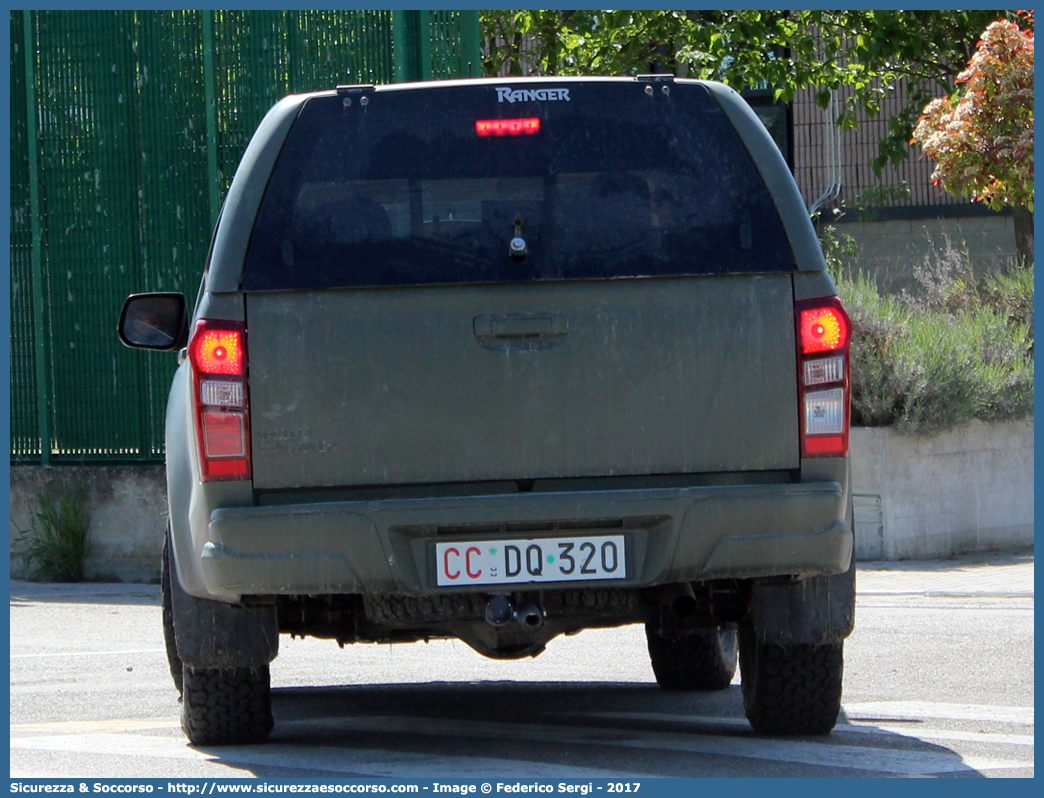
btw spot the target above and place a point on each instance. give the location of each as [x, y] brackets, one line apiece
[866, 52]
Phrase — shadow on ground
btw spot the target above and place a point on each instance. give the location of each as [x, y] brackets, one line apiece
[617, 727]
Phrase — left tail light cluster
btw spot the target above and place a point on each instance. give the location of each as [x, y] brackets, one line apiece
[824, 333]
[217, 352]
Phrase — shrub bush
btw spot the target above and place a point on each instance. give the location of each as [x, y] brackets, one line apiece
[959, 349]
[56, 544]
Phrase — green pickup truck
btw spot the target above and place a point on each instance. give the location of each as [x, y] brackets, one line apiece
[499, 360]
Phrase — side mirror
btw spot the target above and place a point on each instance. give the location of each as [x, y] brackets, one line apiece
[154, 321]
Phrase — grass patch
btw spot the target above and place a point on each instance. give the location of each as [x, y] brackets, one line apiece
[56, 543]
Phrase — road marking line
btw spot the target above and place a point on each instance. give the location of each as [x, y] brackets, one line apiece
[124, 744]
[89, 653]
[341, 760]
[939, 711]
[96, 737]
[882, 760]
[904, 730]
[93, 726]
[1004, 602]
[884, 730]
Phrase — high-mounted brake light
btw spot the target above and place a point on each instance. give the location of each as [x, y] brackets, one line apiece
[824, 332]
[218, 348]
[508, 127]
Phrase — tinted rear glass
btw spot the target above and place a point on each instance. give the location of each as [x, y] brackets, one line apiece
[402, 190]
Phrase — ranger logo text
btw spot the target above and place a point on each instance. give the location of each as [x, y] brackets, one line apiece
[507, 94]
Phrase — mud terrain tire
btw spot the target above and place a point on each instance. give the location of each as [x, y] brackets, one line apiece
[790, 689]
[701, 659]
[173, 660]
[226, 707]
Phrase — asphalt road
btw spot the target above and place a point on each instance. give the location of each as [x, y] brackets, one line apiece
[938, 681]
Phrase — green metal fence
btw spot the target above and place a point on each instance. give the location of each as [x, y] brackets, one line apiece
[126, 129]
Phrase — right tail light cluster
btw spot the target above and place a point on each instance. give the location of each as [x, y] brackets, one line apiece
[218, 355]
[824, 333]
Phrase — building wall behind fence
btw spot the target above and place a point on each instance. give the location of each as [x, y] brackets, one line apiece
[824, 153]
[126, 130]
[893, 233]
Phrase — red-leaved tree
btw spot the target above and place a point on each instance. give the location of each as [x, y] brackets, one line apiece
[981, 137]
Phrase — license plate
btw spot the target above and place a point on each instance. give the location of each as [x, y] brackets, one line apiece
[508, 562]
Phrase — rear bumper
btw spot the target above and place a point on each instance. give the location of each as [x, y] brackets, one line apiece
[675, 534]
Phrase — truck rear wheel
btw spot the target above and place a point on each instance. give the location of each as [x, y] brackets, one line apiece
[700, 659]
[790, 689]
[226, 707]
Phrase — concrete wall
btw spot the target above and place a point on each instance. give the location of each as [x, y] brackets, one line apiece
[965, 490]
[889, 250]
[128, 516]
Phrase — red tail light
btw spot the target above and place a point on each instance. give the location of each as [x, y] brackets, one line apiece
[218, 351]
[824, 329]
[218, 356]
[824, 333]
[508, 127]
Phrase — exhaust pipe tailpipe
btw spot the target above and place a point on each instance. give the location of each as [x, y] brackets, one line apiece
[530, 617]
[684, 607]
[680, 599]
[499, 610]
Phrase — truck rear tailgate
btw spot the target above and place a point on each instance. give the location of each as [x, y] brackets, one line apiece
[381, 386]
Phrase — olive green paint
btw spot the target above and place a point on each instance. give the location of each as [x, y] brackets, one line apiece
[407, 385]
[673, 535]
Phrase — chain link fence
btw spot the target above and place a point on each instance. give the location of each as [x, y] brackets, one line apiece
[126, 130]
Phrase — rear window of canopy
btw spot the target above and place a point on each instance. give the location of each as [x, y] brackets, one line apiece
[432, 186]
